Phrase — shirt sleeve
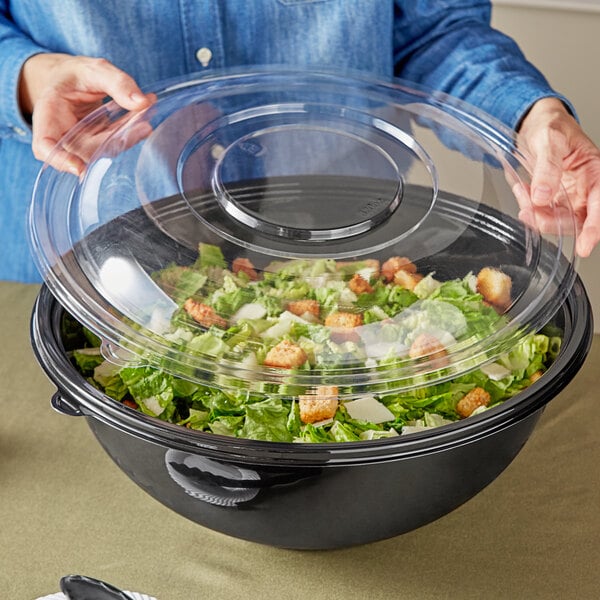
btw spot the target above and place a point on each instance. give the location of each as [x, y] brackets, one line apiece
[15, 49]
[450, 46]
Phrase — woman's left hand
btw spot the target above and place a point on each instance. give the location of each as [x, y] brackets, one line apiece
[562, 154]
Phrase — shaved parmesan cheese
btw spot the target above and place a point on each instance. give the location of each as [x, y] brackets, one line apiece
[373, 434]
[471, 280]
[283, 325]
[252, 310]
[309, 317]
[249, 361]
[406, 429]
[427, 286]
[286, 315]
[318, 281]
[428, 422]
[347, 296]
[160, 320]
[495, 371]
[383, 349]
[152, 404]
[280, 329]
[379, 312]
[366, 273]
[369, 409]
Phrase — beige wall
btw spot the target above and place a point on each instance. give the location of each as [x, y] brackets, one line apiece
[563, 40]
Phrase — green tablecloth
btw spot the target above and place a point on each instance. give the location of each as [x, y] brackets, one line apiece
[65, 507]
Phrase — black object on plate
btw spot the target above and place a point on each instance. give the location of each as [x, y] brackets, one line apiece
[80, 587]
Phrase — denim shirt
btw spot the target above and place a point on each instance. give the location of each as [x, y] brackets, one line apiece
[447, 45]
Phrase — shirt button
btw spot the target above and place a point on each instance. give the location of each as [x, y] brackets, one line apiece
[19, 131]
[204, 55]
[216, 151]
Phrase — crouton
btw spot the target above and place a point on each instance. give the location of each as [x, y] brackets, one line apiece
[245, 266]
[327, 390]
[495, 287]
[427, 345]
[319, 406]
[368, 263]
[359, 285]
[407, 280]
[342, 326]
[471, 401]
[203, 314]
[301, 307]
[394, 264]
[343, 320]
[535, 376]
[285, 355]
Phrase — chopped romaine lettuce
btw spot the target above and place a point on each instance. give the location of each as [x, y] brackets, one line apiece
[290, 302]
[87, 359]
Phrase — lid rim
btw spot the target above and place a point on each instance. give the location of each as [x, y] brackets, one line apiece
[72, 259]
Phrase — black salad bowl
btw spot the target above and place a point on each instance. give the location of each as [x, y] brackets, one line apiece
[276, 165]
[311, 496]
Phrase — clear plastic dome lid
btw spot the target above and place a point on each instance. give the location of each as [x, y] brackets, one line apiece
[281, 231]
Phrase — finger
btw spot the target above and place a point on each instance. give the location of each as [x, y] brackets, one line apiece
[527, 216]
[522, 195]
[114, 139]
[135, 133]
[549, 220]
[590, 232]
[101, 75]
[549, 150]
[50, 122]
[587, 240]
[546, 178]
[62, 160]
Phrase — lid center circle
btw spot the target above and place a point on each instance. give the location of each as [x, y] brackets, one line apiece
[304, 179]
[275, 158]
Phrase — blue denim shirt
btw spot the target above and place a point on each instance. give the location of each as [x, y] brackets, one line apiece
[446, 45]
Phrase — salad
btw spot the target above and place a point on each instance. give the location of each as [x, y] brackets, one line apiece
[322, 317]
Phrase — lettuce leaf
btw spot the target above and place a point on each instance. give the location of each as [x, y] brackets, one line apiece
[210, 256]
[151, 389]
[87, 359]
[267, 421]
[179, 282]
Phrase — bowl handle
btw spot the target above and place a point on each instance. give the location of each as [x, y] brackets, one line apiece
[65, 406]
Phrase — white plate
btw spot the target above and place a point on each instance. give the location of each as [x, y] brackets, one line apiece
[61, 596]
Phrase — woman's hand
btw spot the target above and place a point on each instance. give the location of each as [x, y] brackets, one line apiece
[562, 154]
[58, 90]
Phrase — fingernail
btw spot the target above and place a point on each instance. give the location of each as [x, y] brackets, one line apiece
[137, 97]
[542, 194]
[72, 168]
[583, 249]
[586, 241]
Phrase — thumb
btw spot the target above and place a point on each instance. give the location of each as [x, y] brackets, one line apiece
[102, 75]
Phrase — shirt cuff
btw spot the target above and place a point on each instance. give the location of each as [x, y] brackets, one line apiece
[12, 121]
[515, 100]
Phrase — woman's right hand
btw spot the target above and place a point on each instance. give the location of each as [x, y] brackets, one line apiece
[58, 90]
